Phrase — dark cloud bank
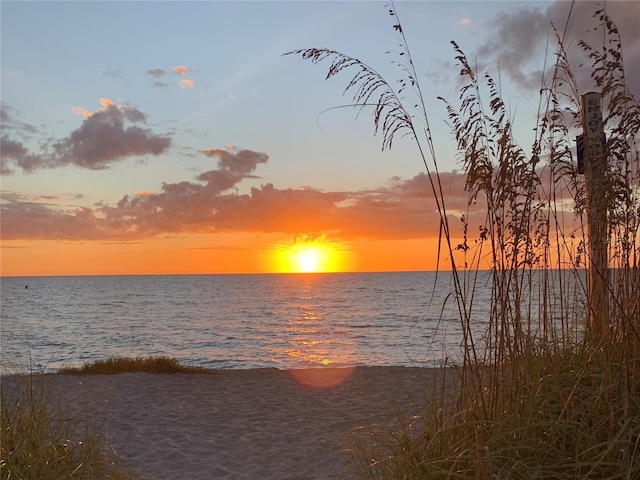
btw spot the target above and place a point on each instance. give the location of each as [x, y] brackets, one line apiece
[519, 36]
[210, 203]
[403, 209]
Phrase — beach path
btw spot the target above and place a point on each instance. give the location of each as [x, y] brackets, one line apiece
[243, 424]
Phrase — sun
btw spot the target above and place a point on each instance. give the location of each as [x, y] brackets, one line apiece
[310, 256]
[309, 259]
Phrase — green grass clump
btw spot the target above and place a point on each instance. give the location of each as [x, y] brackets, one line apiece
[112, 366]
[39, 441]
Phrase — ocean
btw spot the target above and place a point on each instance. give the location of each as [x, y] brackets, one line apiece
[234, 321]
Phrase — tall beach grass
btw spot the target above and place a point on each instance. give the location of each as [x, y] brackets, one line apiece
[552, 388]
[40, 440]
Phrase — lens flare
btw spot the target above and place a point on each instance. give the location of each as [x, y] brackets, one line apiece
[322, 378]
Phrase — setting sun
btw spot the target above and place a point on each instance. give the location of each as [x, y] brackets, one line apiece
[309, 259]
[309, 256]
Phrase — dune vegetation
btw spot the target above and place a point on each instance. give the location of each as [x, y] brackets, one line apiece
[151, 364]
[552, 388]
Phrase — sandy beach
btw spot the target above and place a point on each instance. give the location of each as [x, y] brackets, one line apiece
[243, 424]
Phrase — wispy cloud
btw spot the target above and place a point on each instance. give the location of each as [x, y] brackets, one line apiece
[9, 122]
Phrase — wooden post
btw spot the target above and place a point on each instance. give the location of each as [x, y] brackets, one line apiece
[595, 168]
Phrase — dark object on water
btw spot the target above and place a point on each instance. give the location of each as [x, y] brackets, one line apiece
[26, 286]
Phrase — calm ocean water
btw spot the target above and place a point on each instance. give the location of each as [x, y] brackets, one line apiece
[233, 321]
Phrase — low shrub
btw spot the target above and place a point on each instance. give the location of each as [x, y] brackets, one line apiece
[150, 364]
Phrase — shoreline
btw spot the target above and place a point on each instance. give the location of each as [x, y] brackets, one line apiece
[243, 424]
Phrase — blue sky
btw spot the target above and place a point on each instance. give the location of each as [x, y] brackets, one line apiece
[60, 55]
[206, 76]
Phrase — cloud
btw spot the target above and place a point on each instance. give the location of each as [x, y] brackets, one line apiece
[187, 206]
[180, 70]
[108, 135]
[8, 122]
[105, 102]
[465, 21]
[81, 111]
[156, 72]
[518, 40]
[184, 83]
[12, 152]
[11, 141]
[29, 218]
[211, 203]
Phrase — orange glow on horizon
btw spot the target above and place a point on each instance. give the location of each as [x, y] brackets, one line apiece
[220, 253]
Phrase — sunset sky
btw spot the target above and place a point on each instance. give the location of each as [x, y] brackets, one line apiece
[155, 137]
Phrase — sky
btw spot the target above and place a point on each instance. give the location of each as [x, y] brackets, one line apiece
[158, 137]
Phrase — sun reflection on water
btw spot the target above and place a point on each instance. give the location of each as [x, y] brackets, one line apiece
[315, 342]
